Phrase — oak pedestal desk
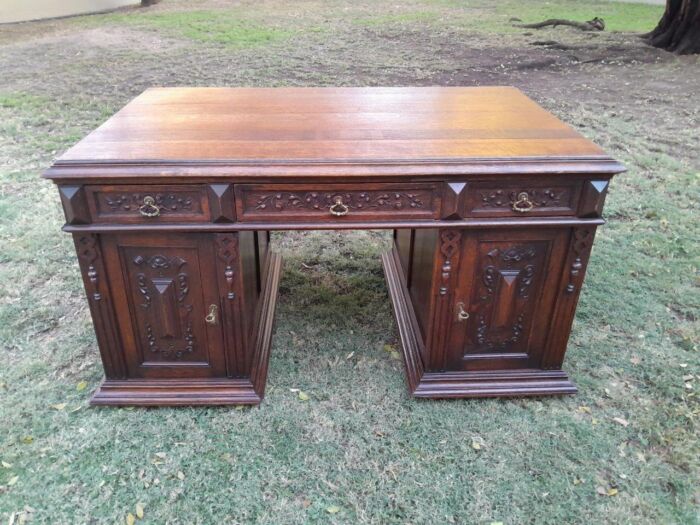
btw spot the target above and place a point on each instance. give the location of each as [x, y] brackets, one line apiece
[493, 202]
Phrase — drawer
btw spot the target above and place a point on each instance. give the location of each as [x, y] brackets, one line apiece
[521, 198]
[148, 204]
[336, 202]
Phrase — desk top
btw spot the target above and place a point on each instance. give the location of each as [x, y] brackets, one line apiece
[275, 131]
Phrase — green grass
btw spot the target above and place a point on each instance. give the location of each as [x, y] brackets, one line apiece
[618, 16]
[496, 17]
[228, 28]
[416, 17]
[360, 445]
[21, 101]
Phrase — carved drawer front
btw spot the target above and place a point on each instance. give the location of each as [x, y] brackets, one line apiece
[148, 204]
[521, 199]
[336, 202]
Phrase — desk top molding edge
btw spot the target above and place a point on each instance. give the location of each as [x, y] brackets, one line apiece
[284, 171]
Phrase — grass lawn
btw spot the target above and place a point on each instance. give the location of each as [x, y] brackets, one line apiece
[359, 449]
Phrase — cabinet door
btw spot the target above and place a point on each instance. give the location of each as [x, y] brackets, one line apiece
[504, 299]
[167, 304]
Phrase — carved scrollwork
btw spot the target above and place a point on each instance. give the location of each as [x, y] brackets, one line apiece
[526, 277]
[512, 255]
[539, 197]
[189, 339]
[450, 241]
[143, 289]
[354, 200]
[170, 351]
[516, 331]
[509, 258]
[88, 252]
[159, 262]
[163, 286]
[583, 238]
[227, 250]
[183, 281]
[167, 202]
[489, 279]
[507, 278]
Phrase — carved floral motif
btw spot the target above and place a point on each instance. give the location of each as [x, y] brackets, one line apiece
[165, 345]
[516, 332]
[526, 277]
[583, 238]
[143, 289]
[226, 250]
[355, 200]
[509, 257]
[88, 251]
[513, 263]
[450, 241]
[540, 197]
[159, 262]
[167, 202]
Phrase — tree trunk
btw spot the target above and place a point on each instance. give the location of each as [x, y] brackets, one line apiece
[679, 28]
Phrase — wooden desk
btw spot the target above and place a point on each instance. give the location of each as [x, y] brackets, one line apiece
[493, 201]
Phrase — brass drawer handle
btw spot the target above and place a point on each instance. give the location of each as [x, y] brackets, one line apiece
[149, 208]
[462, 315]
[523, 204]
[211, 316]
[338, 208]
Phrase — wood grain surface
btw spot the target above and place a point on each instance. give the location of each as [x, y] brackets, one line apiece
[330, 124]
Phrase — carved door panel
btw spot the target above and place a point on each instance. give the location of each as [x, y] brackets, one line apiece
[167, 304]
[505, 298]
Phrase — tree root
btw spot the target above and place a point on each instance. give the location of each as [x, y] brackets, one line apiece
[597, 24]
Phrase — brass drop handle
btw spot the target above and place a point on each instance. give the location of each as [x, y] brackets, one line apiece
[149, 208]
[338, 208]
[462, 314]
[211, 316]
[523, 204]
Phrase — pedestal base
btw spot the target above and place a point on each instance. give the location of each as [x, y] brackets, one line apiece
[459, 384]
[173, 392]
[214, 391]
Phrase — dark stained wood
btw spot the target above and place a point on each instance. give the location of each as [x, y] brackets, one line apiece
[593, 198]
[162, 301]
[403, 240]
[505, 287]
[323, 224]
[460, 384]
[262, 246]
[247, 390]
[74, 204]
[569, 289]
[148, 204]
[421, 265]
[453, 197]
[249, 278]
[336, 202]
[411, 338]
[264, 322]
[522, 198]
[293, 172]
[494, 203]
[97, 289]
[221, 202]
